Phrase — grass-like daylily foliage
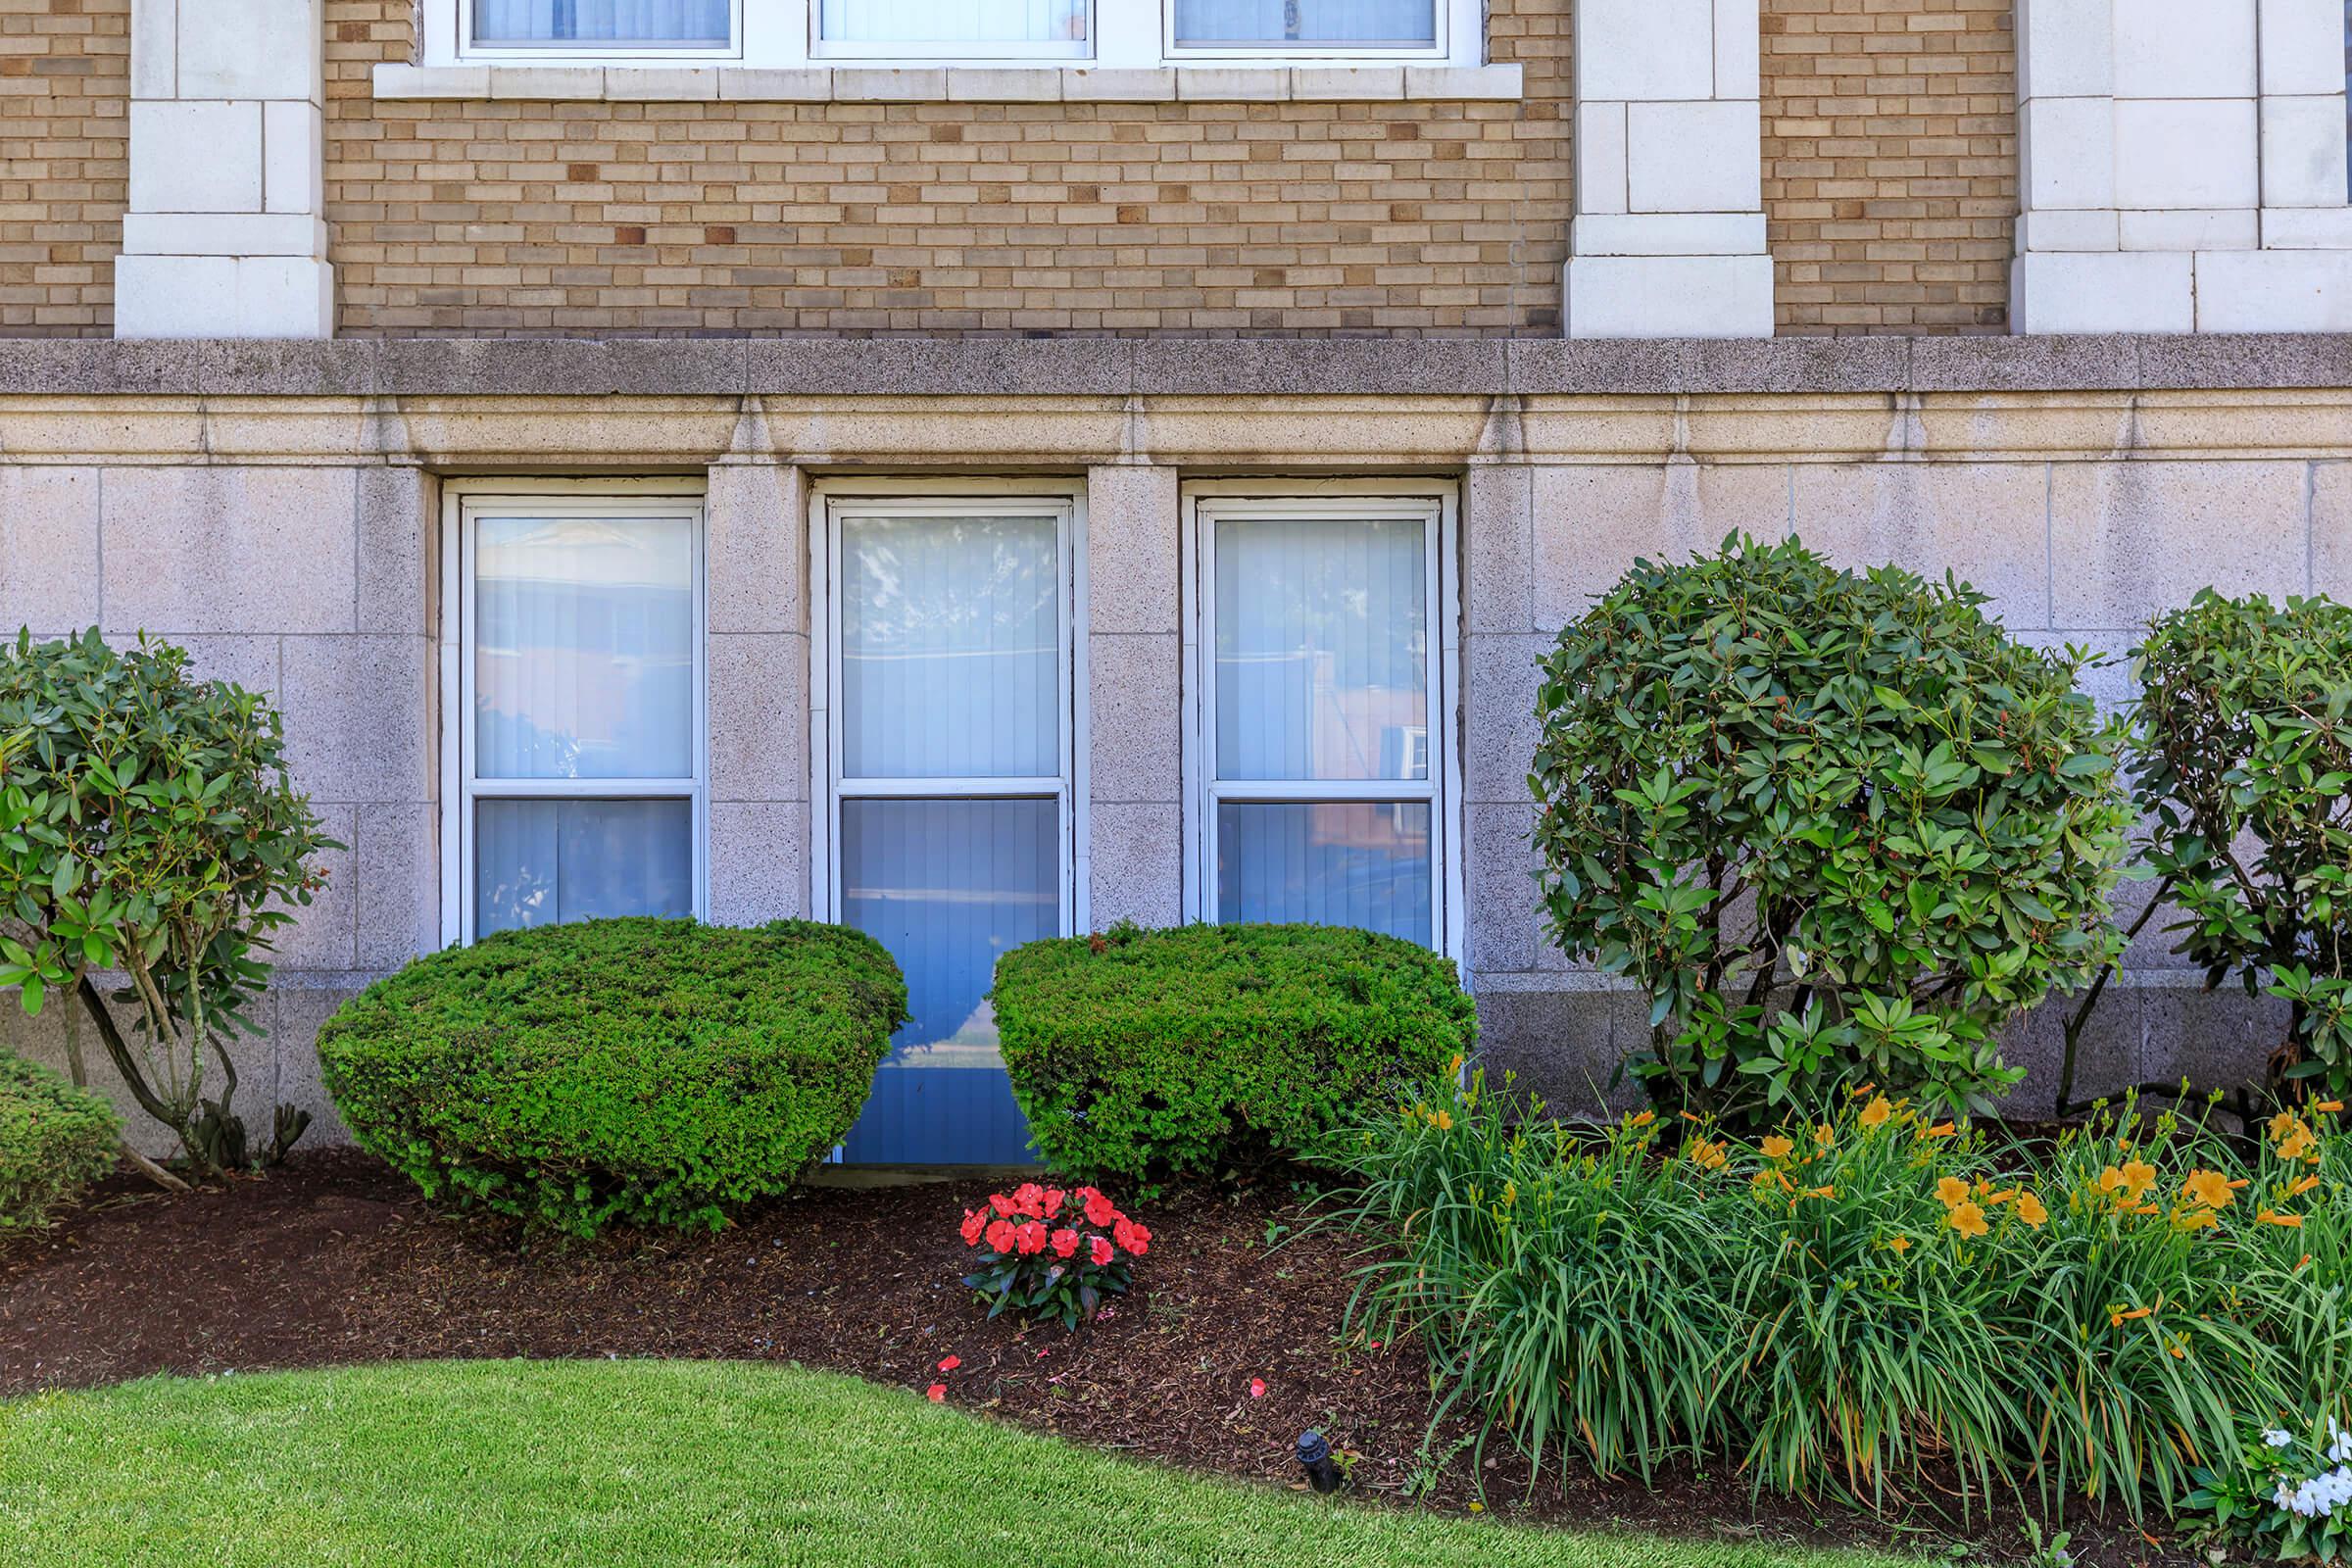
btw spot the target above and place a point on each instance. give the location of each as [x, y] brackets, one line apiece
[668, 1462]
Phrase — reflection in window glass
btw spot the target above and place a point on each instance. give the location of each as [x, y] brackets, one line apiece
[659, 24]
[1355, 23]
[537, 862]
[583, 648]
[1322, 649]
[1330, 862]
[951, 648]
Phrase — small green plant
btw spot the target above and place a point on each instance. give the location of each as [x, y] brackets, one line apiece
[1146, 1055]
[147, 824]
[1837, 826]
[2286, 1489]
[2047, 1550]
[642, 1071]
[1049, 1254]
[54, 1140]
[2243, 752]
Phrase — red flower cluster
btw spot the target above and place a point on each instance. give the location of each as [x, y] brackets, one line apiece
[1047, 1248]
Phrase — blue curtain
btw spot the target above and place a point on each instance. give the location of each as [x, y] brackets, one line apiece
[1397, 24]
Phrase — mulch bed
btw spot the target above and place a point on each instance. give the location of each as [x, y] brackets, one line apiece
[333, 1261]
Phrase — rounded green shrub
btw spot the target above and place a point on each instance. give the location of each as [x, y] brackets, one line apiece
[54, 1140]
[2243, 752]
[1837, 826]
[638, 1070]
[1153, 1054]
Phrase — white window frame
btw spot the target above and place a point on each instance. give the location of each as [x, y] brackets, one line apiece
[463, 501]
[830, 503]
[1436, 504]
[774, 34]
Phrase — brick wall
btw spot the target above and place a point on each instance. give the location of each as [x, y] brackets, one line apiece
[1890, 163]
[947, 219]
[65, 84]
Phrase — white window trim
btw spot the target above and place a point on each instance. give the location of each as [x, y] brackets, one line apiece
[1122, 35]
[462, 501]
[1436, 503]
[831, 501]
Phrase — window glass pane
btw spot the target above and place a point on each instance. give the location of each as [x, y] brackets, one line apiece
[950, 637]
[1361, 23]
[952, 21]
[1321, 637]
[1345, 863]
[583, 648]
[537, 862]
[666, 24]
[949, 887]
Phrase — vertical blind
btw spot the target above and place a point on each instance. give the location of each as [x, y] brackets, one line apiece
[952, 21]
[583, 670]
[1331, 863]
[951, 648]
[666, 24]
[584, 648]
[1322, 646]
[1395, 23]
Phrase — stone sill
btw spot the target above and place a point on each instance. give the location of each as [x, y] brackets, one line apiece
[1163, 367]
[1041, 84]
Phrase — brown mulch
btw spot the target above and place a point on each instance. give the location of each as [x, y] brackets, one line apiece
[333, 1261]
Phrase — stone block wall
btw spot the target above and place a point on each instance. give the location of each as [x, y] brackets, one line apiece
[65, 167]
[1891, 163]
[277, 508]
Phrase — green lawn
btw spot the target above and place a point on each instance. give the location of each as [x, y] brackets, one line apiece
[628, 1462]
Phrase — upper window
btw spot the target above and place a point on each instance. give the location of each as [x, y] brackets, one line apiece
[1127, 34]
[1289, 25]
[1318, 794]
[579, 774]
[701, 25]
[978, 26]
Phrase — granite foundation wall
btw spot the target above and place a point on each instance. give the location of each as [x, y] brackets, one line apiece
[277, 510]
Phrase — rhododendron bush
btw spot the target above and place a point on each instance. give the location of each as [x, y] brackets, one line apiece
[1870, 1303]
[1052, 1254]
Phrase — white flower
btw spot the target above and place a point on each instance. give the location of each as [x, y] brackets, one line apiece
[2277, 1438]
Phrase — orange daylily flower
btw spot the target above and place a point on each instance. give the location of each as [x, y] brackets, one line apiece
[2270, 1216]
[2197, 1219]
[1778, 1148]
[1968, 1220]
[1951, 1192]
[1942, 1129]
[1874, 1114]
[1704, 1155]
[2117, 1317]
[2329, 1106]
[2305, 1185]
[2209, 1188]
[2030, 1210]
[1900, 1244]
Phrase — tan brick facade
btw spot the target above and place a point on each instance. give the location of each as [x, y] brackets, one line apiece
[947, 219]
[65, 84]
[1890, 163]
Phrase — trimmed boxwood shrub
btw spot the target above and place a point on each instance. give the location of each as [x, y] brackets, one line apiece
[54, 1140]
[1151, 1053]
[1839, 827]
[638, 1070]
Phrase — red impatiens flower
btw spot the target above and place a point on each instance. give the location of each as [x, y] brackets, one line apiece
[1066, 1242]
[1000, 1235]
[936, 1393]
[951, 1363]
[1052, 1204]
[1101, 1252]
[1001, 1204]
[1257, 1387]
[1133, 1238]
[1029, 1239]
[1099, 1209]
[1030, 1199]
[975, 1225]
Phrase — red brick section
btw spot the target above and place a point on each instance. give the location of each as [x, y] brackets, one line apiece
[64, 88]
[947, 219]
[1891, 163]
